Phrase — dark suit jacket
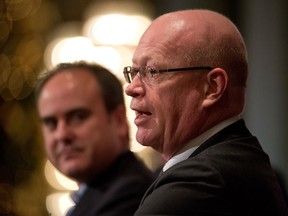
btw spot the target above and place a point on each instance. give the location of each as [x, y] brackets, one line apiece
[229, 174]
[118, 190]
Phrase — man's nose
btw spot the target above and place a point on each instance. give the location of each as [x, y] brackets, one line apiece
[135, 88]
[64, 132]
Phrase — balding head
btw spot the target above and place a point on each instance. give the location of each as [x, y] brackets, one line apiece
[200, 37]
[173, 108]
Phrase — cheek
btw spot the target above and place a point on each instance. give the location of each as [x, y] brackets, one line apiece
[50, 146]
[101, 149]
[48, 143]
[97, 136]
[50, 151]
[93, 130]
[167, 103]
[177, 110]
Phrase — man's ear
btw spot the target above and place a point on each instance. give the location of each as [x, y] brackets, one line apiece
[215, 86]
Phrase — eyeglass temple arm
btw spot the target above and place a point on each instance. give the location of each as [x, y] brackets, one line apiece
[185, 69]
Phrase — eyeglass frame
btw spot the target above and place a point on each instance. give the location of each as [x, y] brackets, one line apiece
[129, 78]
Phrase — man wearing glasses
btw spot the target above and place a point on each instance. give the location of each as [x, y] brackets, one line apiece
[187, 84]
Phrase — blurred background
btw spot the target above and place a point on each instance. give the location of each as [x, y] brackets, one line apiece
[37, 34]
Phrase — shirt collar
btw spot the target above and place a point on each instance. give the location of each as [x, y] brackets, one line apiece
[191, 146]
[76, 195]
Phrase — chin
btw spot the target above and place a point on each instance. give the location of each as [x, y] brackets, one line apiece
[142, 138]
[74, 174]
[71, 170]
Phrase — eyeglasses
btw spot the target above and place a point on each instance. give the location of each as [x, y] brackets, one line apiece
[147, 72]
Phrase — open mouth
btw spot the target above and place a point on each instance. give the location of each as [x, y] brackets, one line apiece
[140, 114]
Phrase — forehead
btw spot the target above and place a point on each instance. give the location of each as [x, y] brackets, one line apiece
[156, 49]
[72, 79]
[70, 88]
[154, 55]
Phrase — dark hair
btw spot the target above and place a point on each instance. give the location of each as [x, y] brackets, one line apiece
[111, 87]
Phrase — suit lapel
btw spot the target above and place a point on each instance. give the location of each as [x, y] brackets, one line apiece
[151, 187]
[88, 202]
[233, 131]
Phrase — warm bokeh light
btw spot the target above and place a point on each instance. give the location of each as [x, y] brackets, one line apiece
[68, 50]
[81, 48]
[5, 72]
[116, 29]
[58, 203]
[57, 179]
[5, 26]
[126, 54]
[107, 57]
[19, 9]
[17, 80]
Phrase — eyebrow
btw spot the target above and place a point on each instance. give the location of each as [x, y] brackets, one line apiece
[67, 114]
[78, 110]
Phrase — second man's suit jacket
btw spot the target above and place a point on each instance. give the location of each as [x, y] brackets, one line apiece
[117, 191]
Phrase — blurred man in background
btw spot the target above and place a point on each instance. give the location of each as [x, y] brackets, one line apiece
[86, 137]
